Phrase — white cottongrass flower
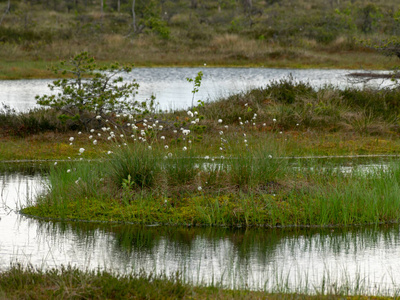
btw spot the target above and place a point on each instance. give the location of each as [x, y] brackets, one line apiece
[170, 155]
[280, 132]
[79, 132]
[184, 148]
[81, 150]
[241, 123]
[55, 163]
[186, 131]
[264, 124]
[109, 138]
[226, 126]
[98, 117]
[175, 131]
[117, 116]
[104, 129]
[99, 134]
[90, 137]
[166, 147]
[69, 171]
[91, 130]
[245, 141]
[109, 152]
[206, 157]
[193, 122]
[160, 127]
[162, 137]
[149, 147]
[196, 113]
[221, 132]
[121, 135]
[71, 139]
[220, 148]
[270, 156]
[190, 141]
[274, 120]
[190, 114]
[70, 144]
[219, 120]
[199, 188]
[254, 124]
[142, 132]
[95, 142]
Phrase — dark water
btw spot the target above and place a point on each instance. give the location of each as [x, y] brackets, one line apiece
[362, 260]
[172, 90]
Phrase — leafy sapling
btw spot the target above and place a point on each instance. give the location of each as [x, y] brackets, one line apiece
[91, 92]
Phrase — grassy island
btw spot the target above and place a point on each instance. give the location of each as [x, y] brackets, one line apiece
[233, 162]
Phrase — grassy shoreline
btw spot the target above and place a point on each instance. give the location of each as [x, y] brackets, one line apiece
[20, 282]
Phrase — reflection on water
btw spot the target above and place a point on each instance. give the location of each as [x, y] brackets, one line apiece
[254, 258]
[172, 90]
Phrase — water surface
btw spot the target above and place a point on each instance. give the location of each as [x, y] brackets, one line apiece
[172, 90]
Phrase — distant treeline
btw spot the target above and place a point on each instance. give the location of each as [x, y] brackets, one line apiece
[278, 20]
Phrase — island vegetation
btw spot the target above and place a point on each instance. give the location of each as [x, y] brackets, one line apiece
[235, 161]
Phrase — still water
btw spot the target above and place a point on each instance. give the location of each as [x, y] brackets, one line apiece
[362, 260]
[172, 91]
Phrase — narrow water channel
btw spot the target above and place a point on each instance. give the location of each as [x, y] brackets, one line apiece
[359, 259]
